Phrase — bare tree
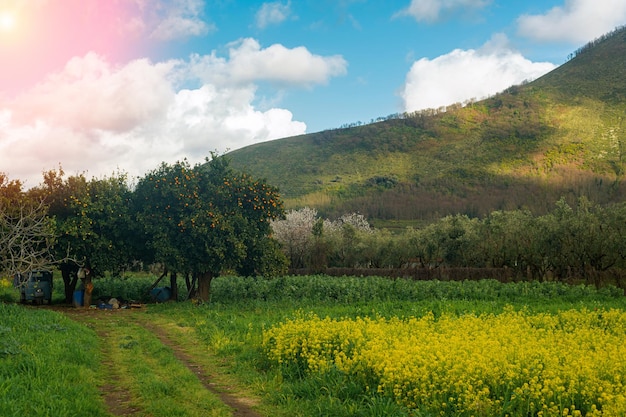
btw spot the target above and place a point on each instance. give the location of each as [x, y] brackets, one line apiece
[26, 235]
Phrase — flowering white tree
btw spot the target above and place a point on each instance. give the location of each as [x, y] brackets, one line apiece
[302, 239]
[295, 233]
[358, 221]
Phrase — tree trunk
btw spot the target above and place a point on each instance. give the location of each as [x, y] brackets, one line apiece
[191, 285]
[88, 287]
[70, 279]
[204, 286]
[173, 286]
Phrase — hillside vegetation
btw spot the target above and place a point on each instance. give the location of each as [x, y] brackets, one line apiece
[562, 135]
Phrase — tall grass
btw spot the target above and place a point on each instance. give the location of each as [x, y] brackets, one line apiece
[7, 293]
[48, 365]
[133, 287]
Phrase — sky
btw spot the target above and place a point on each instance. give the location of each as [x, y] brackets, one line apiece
[105, 86]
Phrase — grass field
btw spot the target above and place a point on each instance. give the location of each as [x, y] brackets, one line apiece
[322, 346]
[49, 365]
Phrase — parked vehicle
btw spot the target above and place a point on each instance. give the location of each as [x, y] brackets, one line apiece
[35, 286]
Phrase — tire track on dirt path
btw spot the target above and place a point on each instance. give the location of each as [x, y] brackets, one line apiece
[241, 407]
[116, 398]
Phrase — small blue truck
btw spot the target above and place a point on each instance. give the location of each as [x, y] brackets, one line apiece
[35, 286]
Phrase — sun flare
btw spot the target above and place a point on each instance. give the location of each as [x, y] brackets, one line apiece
[7, 21]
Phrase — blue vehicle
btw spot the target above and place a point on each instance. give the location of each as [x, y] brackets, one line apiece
[35, 287]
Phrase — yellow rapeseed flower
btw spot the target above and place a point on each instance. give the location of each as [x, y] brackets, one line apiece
[568, 364]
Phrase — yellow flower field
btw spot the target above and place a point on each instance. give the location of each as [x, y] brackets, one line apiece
[572, 363]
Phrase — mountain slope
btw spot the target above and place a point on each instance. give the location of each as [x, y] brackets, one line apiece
[561, 135]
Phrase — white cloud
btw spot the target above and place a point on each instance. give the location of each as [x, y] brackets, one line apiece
[96, 117]
[175, 27]
[272, 14]
[248, 62]
[90, 94]
[466, 74]
[179, 19]
[432, 10]
[577, 21]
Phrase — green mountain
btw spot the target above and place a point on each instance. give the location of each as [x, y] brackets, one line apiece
[562, 135]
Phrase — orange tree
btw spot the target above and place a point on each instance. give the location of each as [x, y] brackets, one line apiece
[93, 224]
[206, 219]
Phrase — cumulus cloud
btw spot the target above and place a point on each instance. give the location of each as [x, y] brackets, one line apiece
[272, 14]
[466, 74]
[432, 10]
[248, 62]
[96, 117]
[90, 94]
[576, 21]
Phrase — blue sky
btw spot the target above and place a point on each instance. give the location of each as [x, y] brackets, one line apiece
[126, 84]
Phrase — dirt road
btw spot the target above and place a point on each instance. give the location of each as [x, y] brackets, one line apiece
[118, 397]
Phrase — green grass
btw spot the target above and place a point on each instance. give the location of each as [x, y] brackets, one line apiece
[158, 383]
[49, 365]
[52, 366]
[231, 326]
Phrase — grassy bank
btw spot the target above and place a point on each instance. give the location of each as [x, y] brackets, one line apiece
[49, 365]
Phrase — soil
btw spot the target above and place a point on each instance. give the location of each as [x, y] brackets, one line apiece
[117, 399]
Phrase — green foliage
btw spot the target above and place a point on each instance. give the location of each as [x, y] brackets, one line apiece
[580, 244]
[132, 287]
[311, 290]
[199, 220]
[264, 258]
[93, 224]
[48, 365]
[92, 218]
[598, 72]
[208, 218]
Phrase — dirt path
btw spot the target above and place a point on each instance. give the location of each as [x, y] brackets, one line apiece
[117, 399]
[241, 406]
